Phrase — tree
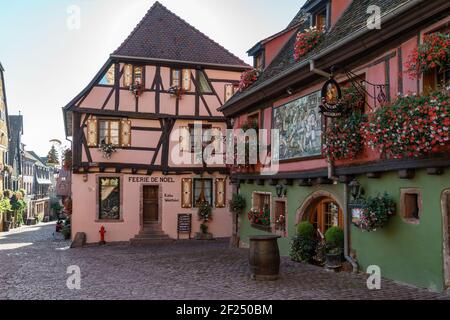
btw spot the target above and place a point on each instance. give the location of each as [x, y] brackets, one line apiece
[53, 156]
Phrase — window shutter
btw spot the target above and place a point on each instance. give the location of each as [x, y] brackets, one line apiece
[220, 193]
[184, 139]
[128, 75]
[125, 133]
[92, 132]
[186, 83]
[229, 91]
[218, 140]
[186, 193]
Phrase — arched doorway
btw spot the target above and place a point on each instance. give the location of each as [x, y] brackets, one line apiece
[445, 202]
[322, 210]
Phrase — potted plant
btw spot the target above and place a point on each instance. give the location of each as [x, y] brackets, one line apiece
[248, 78]
[237, 203]
[204, 214]
[376, 213]
[334, 240]
[303, 245]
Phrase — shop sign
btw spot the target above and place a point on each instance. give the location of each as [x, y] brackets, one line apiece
[151, 180]
[331, 99]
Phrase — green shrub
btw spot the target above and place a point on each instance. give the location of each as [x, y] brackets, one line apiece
[8, 193]
[303, 246]
[5, 205]
[306, 229]
[334, 238]
[66, 231]
[237, 203]
[23, 192]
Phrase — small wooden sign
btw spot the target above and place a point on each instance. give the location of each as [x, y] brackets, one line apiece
[331, 99]
[184, 224]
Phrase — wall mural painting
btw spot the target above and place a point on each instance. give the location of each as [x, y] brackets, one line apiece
[300, 125]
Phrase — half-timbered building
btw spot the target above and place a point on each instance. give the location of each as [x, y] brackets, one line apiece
[309, 185]
[4, 138]
[136, 120]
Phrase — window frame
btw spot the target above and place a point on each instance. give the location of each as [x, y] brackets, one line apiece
[404, 192]
[211, 181]
[191, 126]
[202, 73]
[271, 208]
[118, 145]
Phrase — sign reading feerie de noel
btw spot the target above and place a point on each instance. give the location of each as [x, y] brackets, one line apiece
[151, 179]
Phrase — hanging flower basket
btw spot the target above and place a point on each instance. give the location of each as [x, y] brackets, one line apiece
[433, 53]
[248, 78]
[412, 126]
[107, 149]
[343, 138]
[306, 42]
[67, 159]
[376, 213]
[176, 92]
[136, 89]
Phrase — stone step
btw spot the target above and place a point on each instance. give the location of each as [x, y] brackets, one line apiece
[144, 242]
[151, 232]
[152, 236]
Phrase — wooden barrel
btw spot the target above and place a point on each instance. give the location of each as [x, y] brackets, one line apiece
[264, 257]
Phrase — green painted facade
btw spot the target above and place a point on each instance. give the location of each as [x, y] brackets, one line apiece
[405, 252]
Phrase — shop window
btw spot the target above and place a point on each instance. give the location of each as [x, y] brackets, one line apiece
[203, 83]
[411, 205]
[109, 132]
[203, 191]
[109, 198]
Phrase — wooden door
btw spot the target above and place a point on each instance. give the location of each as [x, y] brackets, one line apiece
[326, 214]
[151, 204]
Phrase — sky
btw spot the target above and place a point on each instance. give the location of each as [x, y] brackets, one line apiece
[47, 63]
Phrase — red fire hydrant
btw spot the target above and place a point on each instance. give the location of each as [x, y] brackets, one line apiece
[102, 235]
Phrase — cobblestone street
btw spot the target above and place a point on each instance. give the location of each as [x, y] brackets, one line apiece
[34, 264]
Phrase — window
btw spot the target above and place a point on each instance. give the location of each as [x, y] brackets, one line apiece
[261, 204]
[203, 191]
[280, 217]
[133, 75]
[109, 198]
[411, 205]
[108, 78]
[206, 135]
[109, 132]
[253, 120]
[321, 20]
[181, 78]
[203, 83]
[176, 78]
[259, 61]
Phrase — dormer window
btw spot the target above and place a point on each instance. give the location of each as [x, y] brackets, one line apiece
[259, 61]
[320, 13]
[321, 19]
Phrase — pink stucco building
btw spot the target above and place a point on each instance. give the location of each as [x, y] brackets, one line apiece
[143, 104]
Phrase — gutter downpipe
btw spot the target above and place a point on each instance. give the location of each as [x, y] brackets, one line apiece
[347, 232]
[391, 15]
